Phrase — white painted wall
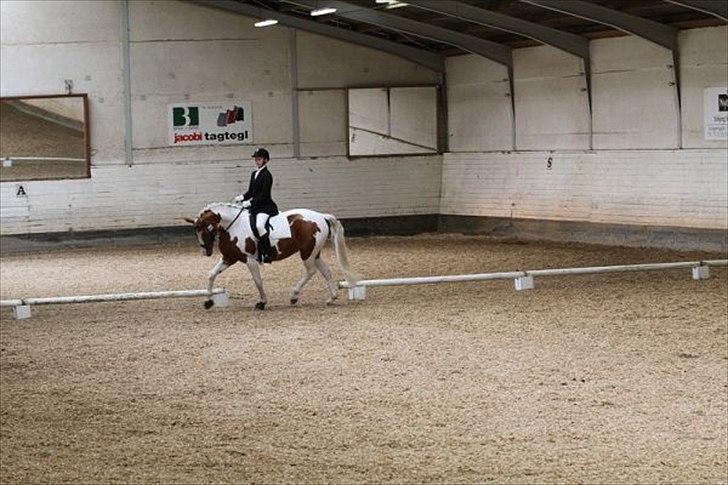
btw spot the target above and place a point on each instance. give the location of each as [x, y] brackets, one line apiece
[636, 174]
[179, 52]
[322, 115]
[635, 99]
[552, 105]
[679, 188]
[480, 116]
[159, 194]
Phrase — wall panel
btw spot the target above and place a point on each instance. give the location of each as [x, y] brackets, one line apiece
[635, 99]
[676, 188]
[480, 117]
[552, 105]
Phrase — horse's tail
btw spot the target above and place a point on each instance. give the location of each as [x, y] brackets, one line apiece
[337, 234]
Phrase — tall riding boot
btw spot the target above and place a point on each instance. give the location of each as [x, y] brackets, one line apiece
[264, 249]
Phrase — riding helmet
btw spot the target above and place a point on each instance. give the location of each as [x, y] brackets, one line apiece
[262, 153]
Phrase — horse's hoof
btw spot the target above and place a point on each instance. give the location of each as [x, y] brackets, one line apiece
[260, 305]
[208, 304]
[294, 301]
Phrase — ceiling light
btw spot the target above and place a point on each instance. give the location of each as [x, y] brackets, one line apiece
[322, 11]
[395, 5]
[266, 23]
[385, 1]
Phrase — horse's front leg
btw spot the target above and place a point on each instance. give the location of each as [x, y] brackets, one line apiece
[219, 268]
[254, 268]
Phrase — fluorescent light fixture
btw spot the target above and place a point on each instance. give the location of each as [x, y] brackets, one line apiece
[322, 11]
[266, 23]
[386, 1]
[396, 5]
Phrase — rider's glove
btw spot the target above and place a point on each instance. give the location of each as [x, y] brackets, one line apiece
[246, 203]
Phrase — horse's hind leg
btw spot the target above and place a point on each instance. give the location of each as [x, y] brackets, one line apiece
[331, 285]
[255, 271]
[310, 270]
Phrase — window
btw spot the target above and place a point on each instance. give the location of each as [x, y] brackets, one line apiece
[393, 121]
[44, 137]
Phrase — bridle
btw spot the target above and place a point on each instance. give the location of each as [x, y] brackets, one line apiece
[217, 232]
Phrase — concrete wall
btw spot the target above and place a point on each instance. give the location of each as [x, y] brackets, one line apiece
[179, 52]
[158, 194]
[480, 117]
[635, 174]
[682, 188]
[552, 105]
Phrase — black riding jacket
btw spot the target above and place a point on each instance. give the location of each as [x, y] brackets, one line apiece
[259, 193]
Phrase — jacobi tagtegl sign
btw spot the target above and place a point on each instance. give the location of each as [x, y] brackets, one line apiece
[222, 123]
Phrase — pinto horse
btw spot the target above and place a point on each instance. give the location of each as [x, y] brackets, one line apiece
[309, 230]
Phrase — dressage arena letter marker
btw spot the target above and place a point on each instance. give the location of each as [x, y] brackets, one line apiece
[220, 300]
[22, 312]
[358, 293]
[701, 272]
[20, 192]
[524, 283]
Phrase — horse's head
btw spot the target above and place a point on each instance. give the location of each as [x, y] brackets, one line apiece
[205, 227]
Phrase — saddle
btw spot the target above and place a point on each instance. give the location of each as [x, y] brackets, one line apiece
[277, 226]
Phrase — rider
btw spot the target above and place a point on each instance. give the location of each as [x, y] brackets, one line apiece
[259, 202]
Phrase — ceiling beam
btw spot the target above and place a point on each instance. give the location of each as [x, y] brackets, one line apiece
[476, 45]
[571, 43]
[716, 8]
[658, 33]
[428, 59]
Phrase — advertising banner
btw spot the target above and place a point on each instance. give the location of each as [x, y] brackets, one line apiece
[715, 113]
[210, 123]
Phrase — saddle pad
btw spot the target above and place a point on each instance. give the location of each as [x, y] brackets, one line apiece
[279, 228]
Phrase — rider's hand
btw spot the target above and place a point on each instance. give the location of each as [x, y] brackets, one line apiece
[246, 204]
[238, 199]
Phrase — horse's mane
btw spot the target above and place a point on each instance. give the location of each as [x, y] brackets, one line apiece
[218, 204]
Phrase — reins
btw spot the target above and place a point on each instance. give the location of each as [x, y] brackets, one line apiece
[236, 218]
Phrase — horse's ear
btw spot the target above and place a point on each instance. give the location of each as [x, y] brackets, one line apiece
[188, 220]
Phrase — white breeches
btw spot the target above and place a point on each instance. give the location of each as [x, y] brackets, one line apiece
[260, 220]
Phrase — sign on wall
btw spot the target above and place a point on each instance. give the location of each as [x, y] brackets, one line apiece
[222, 123]
[715, 113]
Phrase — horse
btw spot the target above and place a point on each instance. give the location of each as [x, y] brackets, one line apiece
[229, 223]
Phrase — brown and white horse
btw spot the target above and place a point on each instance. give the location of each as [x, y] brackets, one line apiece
[230, 224]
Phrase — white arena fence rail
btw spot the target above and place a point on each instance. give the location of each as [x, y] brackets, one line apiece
[22, 306]
[524, 280]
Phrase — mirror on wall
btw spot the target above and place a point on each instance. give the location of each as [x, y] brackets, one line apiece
[392, 121]
[44, 137]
